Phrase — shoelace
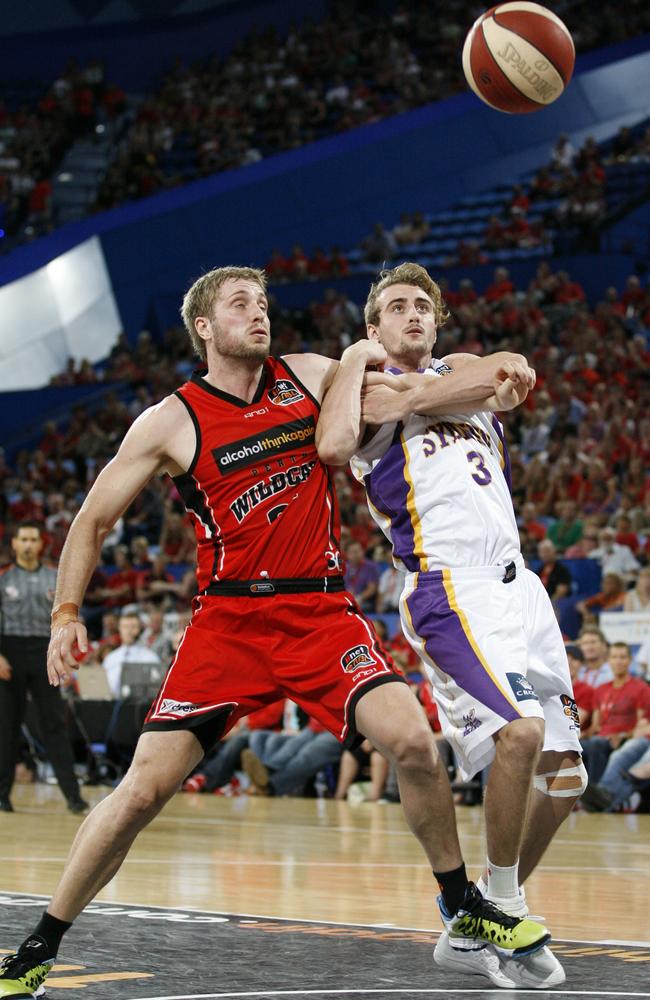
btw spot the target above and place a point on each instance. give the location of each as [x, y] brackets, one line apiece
[16, 965]
[483, 909]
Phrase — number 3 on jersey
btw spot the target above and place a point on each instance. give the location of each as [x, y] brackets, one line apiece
[482, 475]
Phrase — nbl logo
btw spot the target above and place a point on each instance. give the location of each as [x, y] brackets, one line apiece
[356, 658]
[283, 393]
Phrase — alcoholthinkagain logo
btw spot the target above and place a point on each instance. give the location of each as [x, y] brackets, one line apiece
[277, 440]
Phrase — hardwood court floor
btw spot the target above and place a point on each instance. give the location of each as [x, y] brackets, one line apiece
[321, 860]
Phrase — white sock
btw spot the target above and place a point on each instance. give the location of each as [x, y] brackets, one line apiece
[503, 883]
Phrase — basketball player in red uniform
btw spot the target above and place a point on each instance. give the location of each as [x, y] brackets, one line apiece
[271, 618]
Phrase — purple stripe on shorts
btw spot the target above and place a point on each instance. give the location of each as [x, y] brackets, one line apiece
[388, 490]
[438, 625]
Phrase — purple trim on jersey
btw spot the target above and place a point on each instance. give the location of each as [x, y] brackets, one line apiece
[507, 470]
[388, 490]
[438, 625]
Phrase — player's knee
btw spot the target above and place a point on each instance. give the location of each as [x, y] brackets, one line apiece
[414, 748]
[563, 783]
[524, 737]
[143, 796]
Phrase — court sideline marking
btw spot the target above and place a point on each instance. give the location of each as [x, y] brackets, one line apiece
[397, 992]
[98, 904]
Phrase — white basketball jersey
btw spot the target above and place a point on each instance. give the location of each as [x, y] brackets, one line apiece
[439, 488]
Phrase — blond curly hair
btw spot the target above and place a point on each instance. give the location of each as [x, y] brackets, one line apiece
[405, 274]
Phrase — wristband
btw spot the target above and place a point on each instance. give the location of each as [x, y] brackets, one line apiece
[64, 613]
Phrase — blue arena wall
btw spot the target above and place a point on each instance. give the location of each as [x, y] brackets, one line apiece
[331, 192]
[136, 53]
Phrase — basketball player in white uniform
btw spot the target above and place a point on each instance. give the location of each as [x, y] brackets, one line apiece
[482, 623]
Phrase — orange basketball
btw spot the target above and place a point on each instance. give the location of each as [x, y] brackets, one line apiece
[518, 57]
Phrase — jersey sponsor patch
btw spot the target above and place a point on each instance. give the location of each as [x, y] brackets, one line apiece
[170, 707]
[250, 450]
[521, 688]
[570, 709]
[356, 658]
[284, 393]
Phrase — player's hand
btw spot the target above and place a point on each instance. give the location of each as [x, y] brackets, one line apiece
[5, 668]
[61, 659]
[510, 394]
[383, 405]
[369, 351]
[518, 371]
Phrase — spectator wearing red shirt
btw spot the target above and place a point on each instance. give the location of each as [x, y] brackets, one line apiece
[26, 508]
[618, 707]
[277, 267]
[530, 521]
[298, 264]
[339, 264]
[120, 588]
[501, 285]
[610, 598]
[319, 264]
[176, 544]
[625, 534]
[568, 292]
[495, 237]
[634, 297]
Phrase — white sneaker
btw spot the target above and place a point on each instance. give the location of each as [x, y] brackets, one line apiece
[538, 971]
[479, 961]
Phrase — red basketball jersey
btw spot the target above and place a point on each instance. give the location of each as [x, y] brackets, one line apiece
[262, 503]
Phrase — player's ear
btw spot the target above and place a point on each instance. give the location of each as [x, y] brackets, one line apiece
[202, 327]
[372, 332]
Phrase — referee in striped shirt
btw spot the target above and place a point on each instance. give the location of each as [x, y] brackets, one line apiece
[26, 595]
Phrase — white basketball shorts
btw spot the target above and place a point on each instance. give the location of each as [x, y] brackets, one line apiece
[493, 650]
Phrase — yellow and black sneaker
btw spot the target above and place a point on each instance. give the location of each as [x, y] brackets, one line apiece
[480, 920]
[23, 974]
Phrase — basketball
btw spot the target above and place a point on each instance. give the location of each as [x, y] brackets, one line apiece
[518, 57]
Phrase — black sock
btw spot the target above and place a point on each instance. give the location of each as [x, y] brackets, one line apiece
[47, 936]
[453, 886]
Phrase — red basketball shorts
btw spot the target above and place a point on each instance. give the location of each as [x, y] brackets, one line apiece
[241, 653]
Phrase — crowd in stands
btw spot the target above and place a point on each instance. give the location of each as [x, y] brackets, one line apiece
[579, 453]
[34, 139]
[269, 94]
[569, 194]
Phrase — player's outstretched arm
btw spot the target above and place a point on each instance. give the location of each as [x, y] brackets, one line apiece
[500, 381]
[161, 438]
[340, 425]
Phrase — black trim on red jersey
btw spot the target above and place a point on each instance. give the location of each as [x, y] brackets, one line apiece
[196, 503]
[197, 379]
[331, 490]
[301, 384]
[197, 431]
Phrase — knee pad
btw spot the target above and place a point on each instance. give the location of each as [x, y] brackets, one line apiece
[545, 782]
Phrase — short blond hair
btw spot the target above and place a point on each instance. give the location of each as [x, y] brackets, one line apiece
[405, 274]
[200, 298]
